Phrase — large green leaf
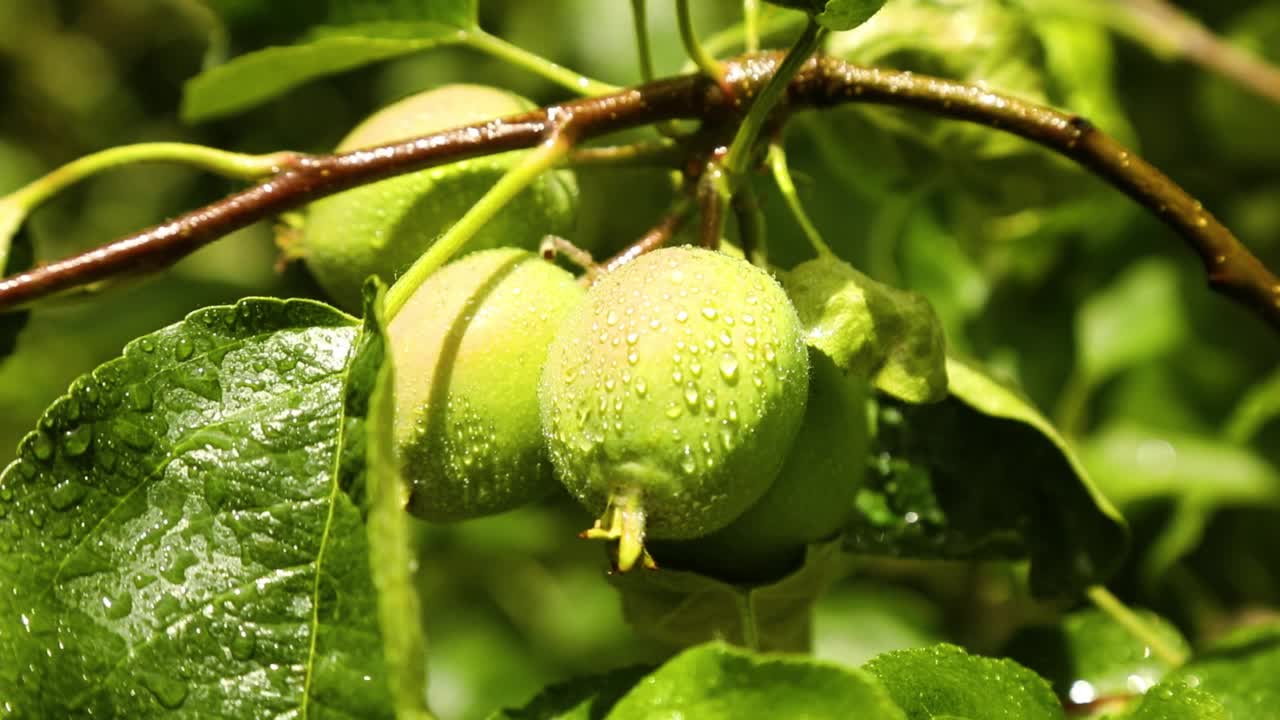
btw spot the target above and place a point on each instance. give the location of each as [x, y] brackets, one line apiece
[1090, 658]
[944, 680]
[366, 33]
[889, 336]
[1177, 701]
[718, 681]
[175, 539]
[984, 475]
[1240, 672]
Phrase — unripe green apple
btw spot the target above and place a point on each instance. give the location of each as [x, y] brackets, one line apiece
[811, 498]
[381, 228]
[672, 394]
[468, 348]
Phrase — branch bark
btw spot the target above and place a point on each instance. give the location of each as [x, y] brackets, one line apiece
[822, 82]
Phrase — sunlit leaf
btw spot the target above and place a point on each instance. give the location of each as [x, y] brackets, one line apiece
[944, 680]
[718, 681]
[890, 336]
[177, 520]
[1090, 659]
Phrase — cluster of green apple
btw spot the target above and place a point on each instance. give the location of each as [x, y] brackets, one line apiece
[674, 398]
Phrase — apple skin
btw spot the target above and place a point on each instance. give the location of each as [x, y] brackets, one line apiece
[381, 228]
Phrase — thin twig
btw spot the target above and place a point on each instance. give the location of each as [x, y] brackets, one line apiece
[1158, 21]
[656, 237]
[821, 82]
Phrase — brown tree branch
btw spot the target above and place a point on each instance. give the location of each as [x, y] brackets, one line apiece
[1231, 268]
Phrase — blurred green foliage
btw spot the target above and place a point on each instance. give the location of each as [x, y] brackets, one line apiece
[1067, 289]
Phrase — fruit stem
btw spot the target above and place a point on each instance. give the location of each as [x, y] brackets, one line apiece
[516, 55]
[1124, 616]
[15, 206]
[538, 161]
[624, 521]
[744, 140]
[751, 25]
[750, 621]
[641, 24]
[782, 176]
[704, 60]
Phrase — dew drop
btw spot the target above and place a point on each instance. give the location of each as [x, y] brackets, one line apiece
[729, 367]
[42, 446]
[687, 462]
[677, 377]
[76, 441]
[183, 349]
[611, 319]
[691, 395]
[168, 692]
[244, 644]
[633, 338]
[633, 358]
[673, 410]
[709, 312]
[682, 316]
[641, 387]
[65, 495]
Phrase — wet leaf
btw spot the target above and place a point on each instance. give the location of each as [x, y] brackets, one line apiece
[1240, 671]
[944, 680]
[984, 475]
[1089, 658]
[890, 336]
[718, 681]
[1177, 701]
[177, 520]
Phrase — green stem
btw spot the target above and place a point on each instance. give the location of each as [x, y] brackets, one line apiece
[229, 164]
[640, 21]
[535, 63]
[745, 139]
[771, 24]
[538, 161]
[782, 176]
[1135, 625]
[752, 235]
[708, 64]
[751, 24]
[750, 622]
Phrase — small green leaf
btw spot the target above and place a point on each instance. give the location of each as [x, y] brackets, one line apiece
[890, 336]
[684, 608]
[177, 520]
[836, 14]
[392, 542]
[718, 681]
[584, 698]
[259, 76]
[984, 475]
[1177, 701]
[1260, 406]
[1089, 658]
[1134, 463]
[945, 680]
[1240, 671]
[1135, 320]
